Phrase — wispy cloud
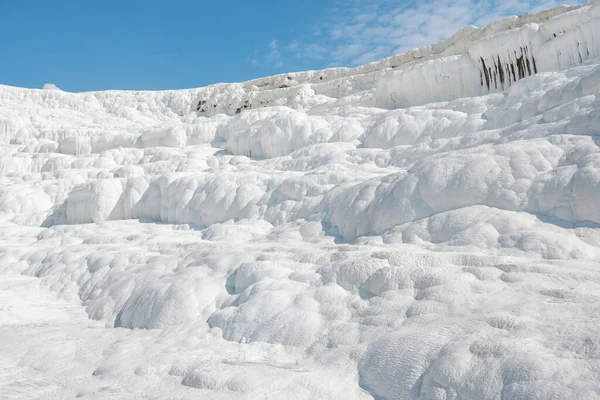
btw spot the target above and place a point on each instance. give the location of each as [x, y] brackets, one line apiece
[272, 58]
[360, 31]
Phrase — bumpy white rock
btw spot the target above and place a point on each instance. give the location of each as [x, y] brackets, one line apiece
[423, 227]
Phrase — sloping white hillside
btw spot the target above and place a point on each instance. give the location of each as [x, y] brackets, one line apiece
[424, 227]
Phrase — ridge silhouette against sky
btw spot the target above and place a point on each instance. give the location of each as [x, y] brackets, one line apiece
[81, 46]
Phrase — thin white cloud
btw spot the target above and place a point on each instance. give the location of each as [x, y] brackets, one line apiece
[362, 31]
[272, 59]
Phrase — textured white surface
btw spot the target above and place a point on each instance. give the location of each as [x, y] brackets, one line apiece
[400, 230]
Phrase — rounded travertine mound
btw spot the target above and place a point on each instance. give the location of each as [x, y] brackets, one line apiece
[425, 227]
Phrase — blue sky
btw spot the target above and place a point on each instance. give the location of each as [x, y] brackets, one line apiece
[82, 45]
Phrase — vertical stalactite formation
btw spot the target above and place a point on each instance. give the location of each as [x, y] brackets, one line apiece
[485, 73]
[500, 72]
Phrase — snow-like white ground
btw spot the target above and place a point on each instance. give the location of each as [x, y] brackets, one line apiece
[424, 227]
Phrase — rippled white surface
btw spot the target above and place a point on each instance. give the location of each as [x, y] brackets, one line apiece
[396, 231]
